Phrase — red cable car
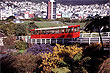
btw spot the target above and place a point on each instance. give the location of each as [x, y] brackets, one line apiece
[56, 32]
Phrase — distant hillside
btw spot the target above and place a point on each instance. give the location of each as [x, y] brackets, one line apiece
[68, 2]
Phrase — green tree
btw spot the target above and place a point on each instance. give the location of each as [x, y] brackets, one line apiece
[8, 28]
[10, 18]
[20, 44]
[98, 24]
[32, 25]
[20, 30]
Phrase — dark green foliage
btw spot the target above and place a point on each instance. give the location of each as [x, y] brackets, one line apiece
[21, 30]
[26, 62]
[38, 19]
[19, 63]
[62, 64]
[97, 57]
[8, 28]
[10, 18]
[70, 20]
[31, 25]
[78, 64]
[64, 19]
[96, 23]
[77, 57]
[105, 66]
[20, 45]
[86, 59]
[6, 64]
[86, 62]
[61, 70]
[9, 42]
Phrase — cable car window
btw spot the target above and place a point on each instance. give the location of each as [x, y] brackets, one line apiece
[78, 29]
[38, 32]
[60, 31]
[33, 40]
[75, 29]
[50, 31]
[69, 30]
[56, 31]
[53, 31]
[63, 31]
[47, 32]
[66, 30]
[33, 32]
[43, 32]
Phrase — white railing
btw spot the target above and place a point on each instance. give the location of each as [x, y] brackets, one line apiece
[90, 37]
[84, 37]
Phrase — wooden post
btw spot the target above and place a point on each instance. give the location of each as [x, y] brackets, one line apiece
[80, 40]
[56, 40]
[36, 41]
[50, 41]
[63, 41]
[45, 41]
[99, 40]
[31, 41]
[108, 34]
[72, 40]
[40, 41]
[91, 35]
[89, 40]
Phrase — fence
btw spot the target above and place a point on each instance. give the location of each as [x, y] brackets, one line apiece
[94, 37]
[84, 38]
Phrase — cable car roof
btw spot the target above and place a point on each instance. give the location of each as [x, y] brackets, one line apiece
[60, 27]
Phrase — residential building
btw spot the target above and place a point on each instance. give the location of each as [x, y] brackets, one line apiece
[51, 10]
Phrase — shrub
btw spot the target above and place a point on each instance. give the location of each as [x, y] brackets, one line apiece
[105, 66]
[20, 44]
[60, 57]
[6, 64]
[97, 56]
[21, 30]
[7, 28]
[9, 42]
[42, 48]
[26, 62]
[20, 63]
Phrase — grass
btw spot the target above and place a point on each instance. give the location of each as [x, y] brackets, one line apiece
[45, 24]
[81, 24]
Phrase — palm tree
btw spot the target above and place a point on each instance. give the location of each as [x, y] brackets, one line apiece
[98, 24]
